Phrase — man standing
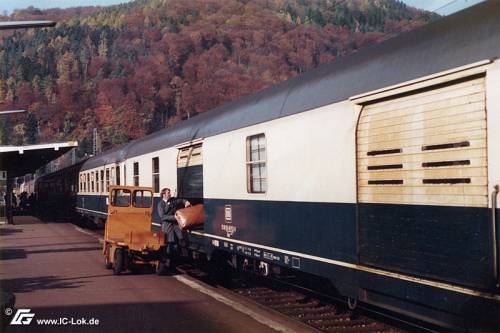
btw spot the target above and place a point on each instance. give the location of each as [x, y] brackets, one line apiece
[166, 211]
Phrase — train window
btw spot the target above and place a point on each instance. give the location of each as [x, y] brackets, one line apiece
[120, 198]
[136, 173]
[102, 180]
[156, 174]
[88, 182]
[97, 181]
[256, 164]
[142, 199]
[92, 182]
[107, 180]
[117, 175]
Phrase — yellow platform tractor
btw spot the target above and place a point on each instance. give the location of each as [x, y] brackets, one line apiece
[129, 243]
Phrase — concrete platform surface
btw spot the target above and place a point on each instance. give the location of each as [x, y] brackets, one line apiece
[57, 272]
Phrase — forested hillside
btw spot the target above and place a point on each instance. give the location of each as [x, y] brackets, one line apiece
[132, 69]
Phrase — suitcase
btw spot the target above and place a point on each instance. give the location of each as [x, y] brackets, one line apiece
[190, 216]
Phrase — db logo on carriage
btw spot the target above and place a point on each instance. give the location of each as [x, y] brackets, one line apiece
[228, 218]
[22, 317]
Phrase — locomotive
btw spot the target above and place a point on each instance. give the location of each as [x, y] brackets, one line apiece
[378, 172]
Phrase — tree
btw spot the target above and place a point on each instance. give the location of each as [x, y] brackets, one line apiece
[133, 69]
[103, 46]
[5, 132]
[31, 129]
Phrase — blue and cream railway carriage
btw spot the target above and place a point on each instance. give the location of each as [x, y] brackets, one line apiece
[378, 172]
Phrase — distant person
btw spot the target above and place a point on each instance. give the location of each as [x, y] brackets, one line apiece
[14, 200]
[23, 200]
[166, 211]
[32, 202]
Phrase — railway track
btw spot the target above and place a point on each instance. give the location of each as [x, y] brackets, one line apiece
[313, 312]
[321, 312]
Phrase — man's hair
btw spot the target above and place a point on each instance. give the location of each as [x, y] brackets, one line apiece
[164, 190]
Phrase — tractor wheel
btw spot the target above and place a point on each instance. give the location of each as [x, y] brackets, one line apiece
[107, 262]
[163, 266]
[119, 261]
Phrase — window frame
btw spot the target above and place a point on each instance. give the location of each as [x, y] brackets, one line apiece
[117, 170]
[113, 197]
[97, 188]
[135, 176]
[155, 174]
[87, 182]
[108, 176]
[102, 180]
[249, 163]
[134, 196]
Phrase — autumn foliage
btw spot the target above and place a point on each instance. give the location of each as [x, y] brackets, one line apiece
[132, 69]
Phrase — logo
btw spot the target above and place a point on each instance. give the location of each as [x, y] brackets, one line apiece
[228, 218]
[22, 317]
[228, 214]
[229, 229]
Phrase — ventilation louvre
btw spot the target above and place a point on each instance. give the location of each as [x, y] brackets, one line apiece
[384, 152]
[447, 181]
[386, 182]
[447, 146]
[444, 163]
[385, 167]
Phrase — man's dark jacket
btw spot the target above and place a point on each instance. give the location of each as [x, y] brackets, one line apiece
[166, 210]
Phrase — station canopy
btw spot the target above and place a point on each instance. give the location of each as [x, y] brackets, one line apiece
[8, 25]
[20, 160]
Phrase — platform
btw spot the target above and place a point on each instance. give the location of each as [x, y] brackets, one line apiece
[56, 270]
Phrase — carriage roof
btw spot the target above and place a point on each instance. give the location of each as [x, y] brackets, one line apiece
[466, 37]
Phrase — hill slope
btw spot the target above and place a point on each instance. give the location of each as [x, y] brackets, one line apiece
[131, 69]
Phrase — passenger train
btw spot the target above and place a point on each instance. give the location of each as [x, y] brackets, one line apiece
[378, 172]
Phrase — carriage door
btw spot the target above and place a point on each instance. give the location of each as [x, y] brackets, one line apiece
[190, 173]
[422, 184]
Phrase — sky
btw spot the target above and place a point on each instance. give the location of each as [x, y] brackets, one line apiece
[443, 7]
[10, 5]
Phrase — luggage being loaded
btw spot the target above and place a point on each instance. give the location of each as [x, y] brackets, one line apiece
[190, 216]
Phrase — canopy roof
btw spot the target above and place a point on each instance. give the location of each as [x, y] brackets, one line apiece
[20, 160]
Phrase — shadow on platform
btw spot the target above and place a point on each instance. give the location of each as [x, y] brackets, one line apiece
[26, 219]
[26, 285]
[9, 254]
[5, 231]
